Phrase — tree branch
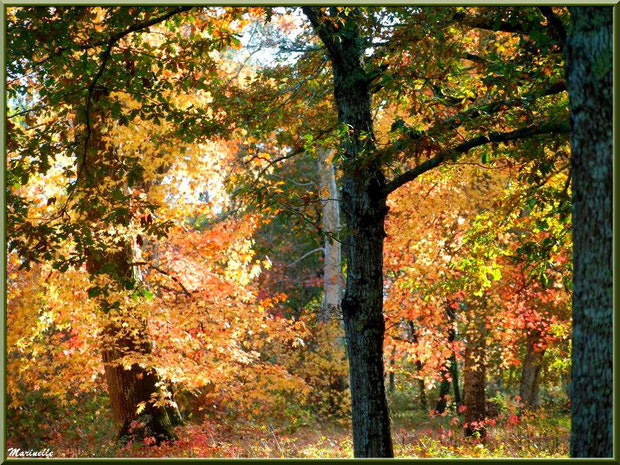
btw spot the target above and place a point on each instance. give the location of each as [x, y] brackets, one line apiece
[483, 23]
[118, 36]
[325, 31]
[555, 22]
[307, 254]
[92, 87]
[455, 152]
[165, 273]
[471, 113]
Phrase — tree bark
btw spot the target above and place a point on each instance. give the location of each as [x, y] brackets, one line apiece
[530, 376]
[449, 372]
[332, 270]
[392, 378]
[132, 386]
[475, 374]
[413, 337]
[362, 310]
[364, 209]
[589, 57]
[454, 369]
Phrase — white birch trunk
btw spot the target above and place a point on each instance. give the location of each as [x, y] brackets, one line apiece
[332, 272]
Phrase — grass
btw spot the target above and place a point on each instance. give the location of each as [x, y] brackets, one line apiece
[87, 431]
[415, 434]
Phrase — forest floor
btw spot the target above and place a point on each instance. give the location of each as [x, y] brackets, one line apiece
[415, 434]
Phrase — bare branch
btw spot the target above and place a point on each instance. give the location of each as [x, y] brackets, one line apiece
[307, 254]
[165, 273]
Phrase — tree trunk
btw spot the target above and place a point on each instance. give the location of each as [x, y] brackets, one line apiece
[449, 371]
[454, 369]
[530, 376]
[392, 380]
[413, 337]
[444, 391]
[589, 76]
[362, 309]
[130, 386]
[332, 274]
[364, 209]
[474, 373]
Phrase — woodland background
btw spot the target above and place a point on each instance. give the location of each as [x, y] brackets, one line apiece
[309, 232]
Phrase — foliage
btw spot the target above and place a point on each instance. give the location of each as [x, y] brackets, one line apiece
[161, 180]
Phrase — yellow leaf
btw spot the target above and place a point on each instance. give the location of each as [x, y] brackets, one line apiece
[141, 407]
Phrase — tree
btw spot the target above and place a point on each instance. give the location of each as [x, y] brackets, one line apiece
[136, 392]
[530, 377]
[364, 210]
[332, 266]
[364, 192]
[414, 89]
[449, 373]
[74, 86]
[589, 75]
[474, 372]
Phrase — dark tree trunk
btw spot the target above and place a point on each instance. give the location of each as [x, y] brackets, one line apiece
[530, 376]
[444, 390]
[474, 374]
[449, 374]
[450, 377]
[589, 57]
[392, 381]
[413, 337]
[364, 209]
[423, 401]
[362, 309]
[454, 369]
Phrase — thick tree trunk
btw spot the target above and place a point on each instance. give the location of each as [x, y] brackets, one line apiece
[129, 390]
[362, 309]
[589, 56]
[474, 374]
[364, 208]
[131, 387]
[530, 376]
[364, 211]
[332, 270]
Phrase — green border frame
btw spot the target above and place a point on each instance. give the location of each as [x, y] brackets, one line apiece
[241, 3]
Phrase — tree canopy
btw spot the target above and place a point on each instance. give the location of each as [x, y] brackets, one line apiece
[280, 214]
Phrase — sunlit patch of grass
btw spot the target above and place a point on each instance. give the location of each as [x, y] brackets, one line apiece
[415, 434]
[534, 435]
